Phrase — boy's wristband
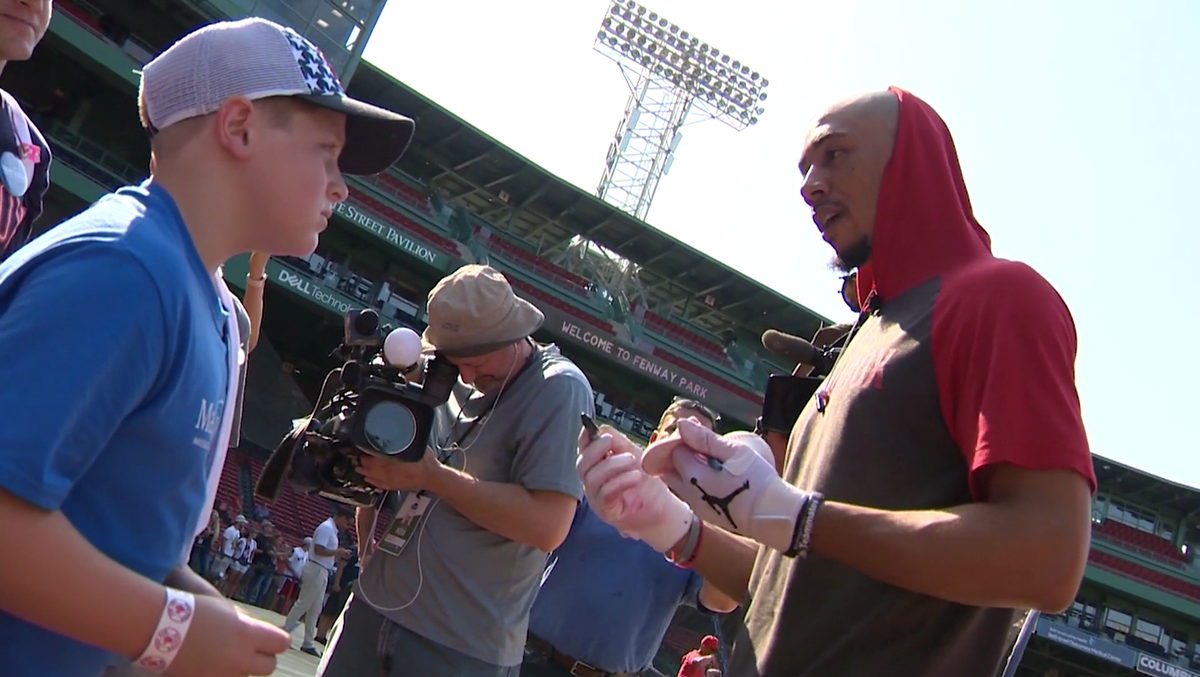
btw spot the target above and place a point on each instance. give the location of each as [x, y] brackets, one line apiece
[172, 629]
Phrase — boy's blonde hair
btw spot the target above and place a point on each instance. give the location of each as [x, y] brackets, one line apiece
[279, 110]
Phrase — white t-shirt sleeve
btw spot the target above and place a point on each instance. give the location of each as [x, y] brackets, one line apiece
[230, 537]
[296, 563]
[326, 536]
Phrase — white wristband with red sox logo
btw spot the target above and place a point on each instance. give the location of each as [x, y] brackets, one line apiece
[171, 631]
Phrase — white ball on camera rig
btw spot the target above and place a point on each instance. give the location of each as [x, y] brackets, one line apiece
[402, 348]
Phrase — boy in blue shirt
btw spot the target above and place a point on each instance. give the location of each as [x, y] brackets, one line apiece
[121, 354]
[606, 600]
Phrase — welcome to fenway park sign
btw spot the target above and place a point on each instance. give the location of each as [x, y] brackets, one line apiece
[673, 377]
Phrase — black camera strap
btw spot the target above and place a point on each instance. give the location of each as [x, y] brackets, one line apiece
[447, 445]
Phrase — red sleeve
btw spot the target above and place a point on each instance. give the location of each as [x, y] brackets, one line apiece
[1003, 346]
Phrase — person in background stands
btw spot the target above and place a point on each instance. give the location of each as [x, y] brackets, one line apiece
[202, 549]
[630, 591]
[339, 592]
[262, 565]
[314, 578]
[224, 559]
[278, 575]
[698, 662]
[289, 589]
[243, 552]
[24, 153]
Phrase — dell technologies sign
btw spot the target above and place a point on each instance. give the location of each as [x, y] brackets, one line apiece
[306, 287]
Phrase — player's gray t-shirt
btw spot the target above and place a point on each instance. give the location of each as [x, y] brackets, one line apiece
[459, 584]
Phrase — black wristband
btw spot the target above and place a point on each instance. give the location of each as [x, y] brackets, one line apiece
[802, 532]
[797, 530]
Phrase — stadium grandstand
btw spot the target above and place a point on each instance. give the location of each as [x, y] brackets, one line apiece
[646, 316]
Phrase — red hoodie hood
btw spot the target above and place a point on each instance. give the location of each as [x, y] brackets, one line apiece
[924, 226]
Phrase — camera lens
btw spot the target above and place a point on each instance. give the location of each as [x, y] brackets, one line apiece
[367, 322]
[390, 428]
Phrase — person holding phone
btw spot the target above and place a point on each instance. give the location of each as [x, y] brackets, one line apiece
[630, 590]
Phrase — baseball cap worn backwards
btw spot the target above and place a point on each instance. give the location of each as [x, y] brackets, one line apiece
[257, 59]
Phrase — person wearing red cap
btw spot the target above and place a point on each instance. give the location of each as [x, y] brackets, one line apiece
[940, 478]
[697, 662]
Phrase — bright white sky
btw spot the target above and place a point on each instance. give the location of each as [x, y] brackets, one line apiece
[1075, 122]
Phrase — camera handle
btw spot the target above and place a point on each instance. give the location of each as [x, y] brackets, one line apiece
[280, 463]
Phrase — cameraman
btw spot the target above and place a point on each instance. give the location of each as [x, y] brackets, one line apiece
[495, 492]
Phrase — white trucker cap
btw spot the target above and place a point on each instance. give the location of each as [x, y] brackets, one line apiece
[256, 58]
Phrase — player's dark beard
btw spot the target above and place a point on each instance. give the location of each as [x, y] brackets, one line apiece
[854, 256]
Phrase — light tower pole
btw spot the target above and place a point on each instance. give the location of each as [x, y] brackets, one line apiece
[670, 74]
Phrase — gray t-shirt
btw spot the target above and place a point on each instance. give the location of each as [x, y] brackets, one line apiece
[459, 584]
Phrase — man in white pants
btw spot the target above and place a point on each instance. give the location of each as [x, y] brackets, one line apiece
[314, 577]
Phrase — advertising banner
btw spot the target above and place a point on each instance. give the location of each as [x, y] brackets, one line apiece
[594, 339]
[1092, 645]
[1161, 667]
[393, 236]
[682, 382]
[299, 283]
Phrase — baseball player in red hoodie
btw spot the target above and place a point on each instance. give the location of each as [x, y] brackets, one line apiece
[940, 478]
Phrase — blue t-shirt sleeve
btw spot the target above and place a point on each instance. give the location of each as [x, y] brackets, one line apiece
[691, 593]
[83, 338]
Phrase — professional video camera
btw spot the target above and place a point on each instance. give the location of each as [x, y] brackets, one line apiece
[788, 393]
[366, 406]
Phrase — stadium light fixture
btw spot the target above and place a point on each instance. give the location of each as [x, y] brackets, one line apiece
[671, 74]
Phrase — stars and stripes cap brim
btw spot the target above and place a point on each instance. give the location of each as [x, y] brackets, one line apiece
[256, 58]
[375, 137]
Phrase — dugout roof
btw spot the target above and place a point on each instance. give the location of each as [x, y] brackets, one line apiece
[1146, 489]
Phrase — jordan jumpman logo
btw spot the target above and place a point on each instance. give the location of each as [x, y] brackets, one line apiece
[721, 505]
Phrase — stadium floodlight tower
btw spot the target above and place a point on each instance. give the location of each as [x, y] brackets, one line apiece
[671, 74]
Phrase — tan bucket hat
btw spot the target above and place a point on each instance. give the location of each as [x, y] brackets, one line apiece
[473, 311]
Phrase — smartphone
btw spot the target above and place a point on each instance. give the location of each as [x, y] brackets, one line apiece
[590, 426]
